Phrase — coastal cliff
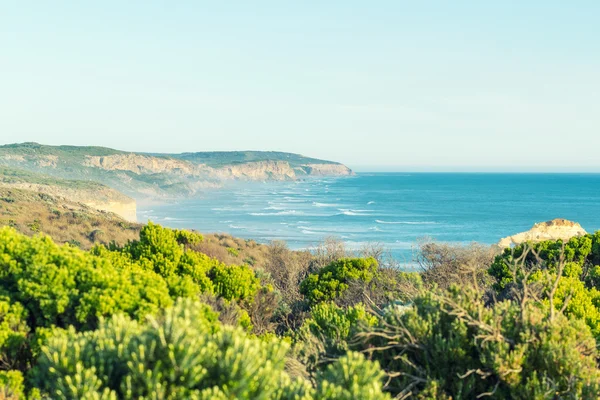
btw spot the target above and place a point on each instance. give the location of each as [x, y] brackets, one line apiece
[250, 171]
[160, 176]
[91, 194]
[141, 164]
[256, 171]
[550, 230]
[326, 170]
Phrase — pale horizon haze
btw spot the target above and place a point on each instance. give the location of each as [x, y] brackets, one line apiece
[379, 85]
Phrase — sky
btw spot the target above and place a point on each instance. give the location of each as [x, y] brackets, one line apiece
[378, 85]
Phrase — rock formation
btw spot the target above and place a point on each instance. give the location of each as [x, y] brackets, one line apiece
[161, 176]
[141, 164]
[549, 230]
[326, 169]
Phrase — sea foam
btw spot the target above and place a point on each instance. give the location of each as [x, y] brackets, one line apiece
[406, 222]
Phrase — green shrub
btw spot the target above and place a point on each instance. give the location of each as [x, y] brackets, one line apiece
[335, 326]
[63, 285]
[328, 332]
[450, 346]
[388, 285]
[158, 248]
[11, 385]
[584, 251]
[187, 237]
[233, 251]
[331, 281]
[185, 353]
[234, 282]
[577, 291]
[35, 226]
[187, 272]
[350, 378]
[13, 331]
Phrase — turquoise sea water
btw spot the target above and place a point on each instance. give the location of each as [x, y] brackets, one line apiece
[394, 209]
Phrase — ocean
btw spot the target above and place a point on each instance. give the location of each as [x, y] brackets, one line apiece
[395, 210]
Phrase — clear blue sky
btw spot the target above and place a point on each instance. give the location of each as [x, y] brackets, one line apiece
[454, 85]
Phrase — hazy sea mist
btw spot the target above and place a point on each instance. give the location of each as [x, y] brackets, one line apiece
[394, 209]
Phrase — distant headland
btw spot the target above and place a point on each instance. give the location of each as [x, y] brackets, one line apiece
[60, 170]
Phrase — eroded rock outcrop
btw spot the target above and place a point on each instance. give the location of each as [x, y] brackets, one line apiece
[550, 230]
[141, 164]
[256, 171]
[250, 171]
[159, 176]
[326, 169]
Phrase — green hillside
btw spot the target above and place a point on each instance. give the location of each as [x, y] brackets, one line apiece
[65, 152]
[212, 158]
[146, 175]
[10, 176]
[222, 158]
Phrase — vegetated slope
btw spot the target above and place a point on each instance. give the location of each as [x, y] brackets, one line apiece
[221, 158]
[32, 212]
[162, 175]
[90, 193]
[156, 316]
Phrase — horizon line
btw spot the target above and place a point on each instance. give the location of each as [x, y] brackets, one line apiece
[483, 170]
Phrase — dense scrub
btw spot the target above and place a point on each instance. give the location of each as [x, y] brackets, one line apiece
[156, 317]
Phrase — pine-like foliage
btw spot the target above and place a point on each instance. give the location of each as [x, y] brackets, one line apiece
[350, 378]
[184, 353]
[187, 272]
[13, 331]
[11, 385]
[63, 285]
[577, 291]
[328, 333]
[330, 282]
[451, 346]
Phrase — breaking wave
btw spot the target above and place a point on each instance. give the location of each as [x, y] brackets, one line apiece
[406, 222]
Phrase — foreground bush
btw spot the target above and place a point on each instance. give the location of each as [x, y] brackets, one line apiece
[583, 252]
[11, 385]
[328, 332]
[184, 353]
[568, 272]
[187, 272]
[63, 285]
[332, 281]
[450, 346]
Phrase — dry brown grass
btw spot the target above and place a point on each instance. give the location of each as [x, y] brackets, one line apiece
[69, 222]
[65, 221]
[232, 250]
[445, 264]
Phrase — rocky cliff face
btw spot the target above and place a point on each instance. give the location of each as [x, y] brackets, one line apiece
[140, 164]
[250, 171]
[125, 209]
[326, 169]
[550, 230]
[256, 171]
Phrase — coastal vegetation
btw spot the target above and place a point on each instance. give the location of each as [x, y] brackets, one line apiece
[95, 307]
[159, 316]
